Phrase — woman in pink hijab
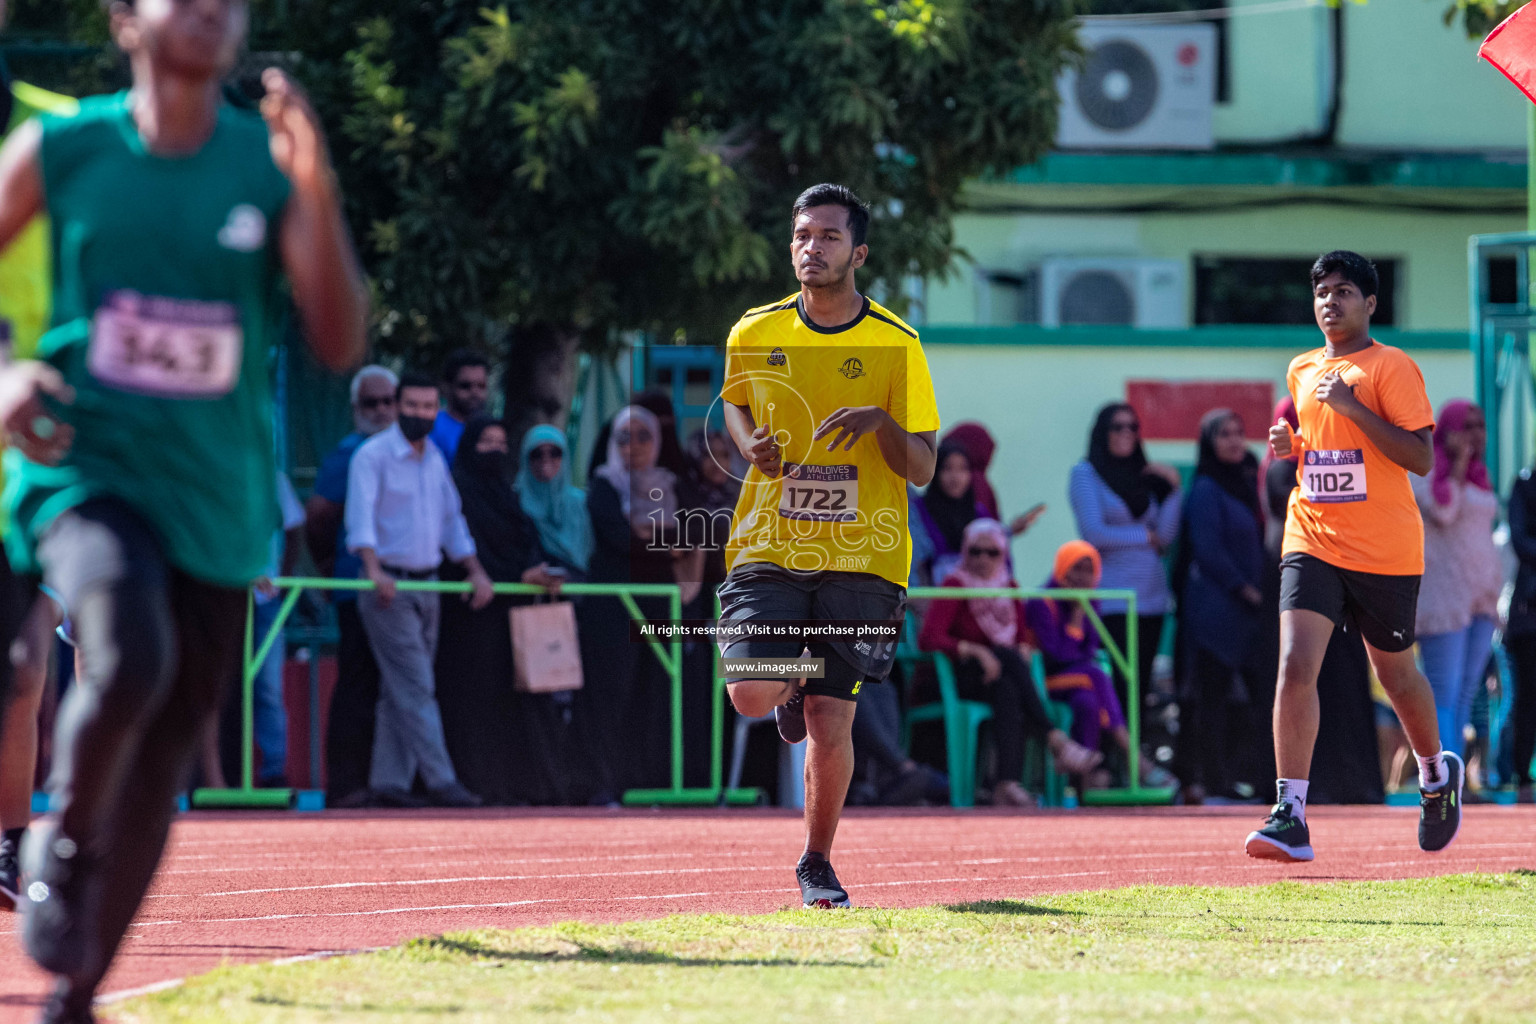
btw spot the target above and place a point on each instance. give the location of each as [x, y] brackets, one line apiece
[1459, 595]
[985, 636]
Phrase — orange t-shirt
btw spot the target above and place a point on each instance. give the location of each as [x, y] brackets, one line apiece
[1354, 508]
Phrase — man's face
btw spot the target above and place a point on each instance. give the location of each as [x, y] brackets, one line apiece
[418, 402]
[1341, 309]
[374, 409]
[196, 39]
[467, 391]
[822, 247]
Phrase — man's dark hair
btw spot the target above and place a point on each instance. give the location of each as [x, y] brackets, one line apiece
[827, 194]
[414, 379]
[460, 358]
[1354, 268]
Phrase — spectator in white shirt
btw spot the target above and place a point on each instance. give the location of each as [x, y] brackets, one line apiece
[402, 514]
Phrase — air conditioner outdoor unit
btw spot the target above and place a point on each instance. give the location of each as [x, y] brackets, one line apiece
[1146, 293]
[1141, 87]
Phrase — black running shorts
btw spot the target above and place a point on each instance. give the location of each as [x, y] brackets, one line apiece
[1382, 607]
[765, 592]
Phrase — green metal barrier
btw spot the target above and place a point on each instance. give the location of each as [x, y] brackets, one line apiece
[1134, 793]
[669, 654]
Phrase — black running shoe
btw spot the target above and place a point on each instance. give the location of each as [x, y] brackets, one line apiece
[1440, 809]
[819, 887]
[790, 717]
[58, 928]
[10, 875]
[1284, 837]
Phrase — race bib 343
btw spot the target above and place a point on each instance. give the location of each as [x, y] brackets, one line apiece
[173, 348]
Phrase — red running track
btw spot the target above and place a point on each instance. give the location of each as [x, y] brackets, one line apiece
[258, 887]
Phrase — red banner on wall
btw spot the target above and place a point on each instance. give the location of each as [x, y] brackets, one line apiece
[1170, 410]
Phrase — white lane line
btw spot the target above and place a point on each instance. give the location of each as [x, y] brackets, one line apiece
[911, 865]
[162, 986]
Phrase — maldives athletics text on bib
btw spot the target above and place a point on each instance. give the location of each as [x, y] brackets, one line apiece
[167, 307]
[1334, 475]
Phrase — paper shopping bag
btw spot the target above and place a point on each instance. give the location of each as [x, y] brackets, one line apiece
[545, 654]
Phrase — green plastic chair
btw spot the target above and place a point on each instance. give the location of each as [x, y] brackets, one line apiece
[1038, 762]
[961, 718]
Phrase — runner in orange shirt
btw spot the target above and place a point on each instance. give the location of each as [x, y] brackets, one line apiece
[1354, 548]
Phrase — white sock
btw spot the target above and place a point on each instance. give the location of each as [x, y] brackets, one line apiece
[1432, 772]
[1293, 793]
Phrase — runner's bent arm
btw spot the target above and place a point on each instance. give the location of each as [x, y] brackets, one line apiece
[316, 250]
[912, 456]
[21, 181]
[1411, 449]
[754, 442]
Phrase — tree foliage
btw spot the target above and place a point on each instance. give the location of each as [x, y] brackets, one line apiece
[596, 166]
[1479, 17]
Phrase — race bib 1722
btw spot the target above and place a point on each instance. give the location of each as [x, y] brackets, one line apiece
[1329, 476]
[823, 494]
[172, 348]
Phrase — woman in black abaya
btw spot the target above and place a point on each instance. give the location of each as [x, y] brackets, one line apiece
[508, 747]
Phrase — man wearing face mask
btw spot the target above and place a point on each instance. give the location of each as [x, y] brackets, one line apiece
[402, 513]
[349, 731]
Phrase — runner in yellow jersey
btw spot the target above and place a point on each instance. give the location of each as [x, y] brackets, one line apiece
[828, 396]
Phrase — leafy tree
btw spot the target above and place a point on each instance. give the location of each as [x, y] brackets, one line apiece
[538, 175]
[1480, 16]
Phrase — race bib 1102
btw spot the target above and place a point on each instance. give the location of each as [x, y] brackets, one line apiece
[823, 494]
[1329, 476]
[172, 348]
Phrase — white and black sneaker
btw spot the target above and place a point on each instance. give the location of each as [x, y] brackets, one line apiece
[819, 887]
[1284, 837]
[10, 874]
[1440, 808]
[790, 717]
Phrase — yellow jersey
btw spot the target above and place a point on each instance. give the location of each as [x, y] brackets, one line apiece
[827, 510]
[25, 265]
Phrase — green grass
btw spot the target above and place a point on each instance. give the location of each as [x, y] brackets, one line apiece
[1441, 950]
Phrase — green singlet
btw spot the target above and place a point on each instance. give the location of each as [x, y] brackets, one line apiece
[165, 286]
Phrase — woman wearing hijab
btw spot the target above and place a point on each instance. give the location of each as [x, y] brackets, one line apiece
[508, 747]
[1221, 605]
[985, 636]
[1128, 509]
[1459, 595]
[1069, 646]
[621, 715]
[557, 507]
[979, 446]
[948, 506]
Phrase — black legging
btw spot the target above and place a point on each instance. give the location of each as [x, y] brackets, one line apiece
[1018, 713]
[1522, 657]
[1149, 636]
[157, 647]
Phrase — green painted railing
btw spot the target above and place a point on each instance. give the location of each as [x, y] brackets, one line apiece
[669, 654]
[1124, 659]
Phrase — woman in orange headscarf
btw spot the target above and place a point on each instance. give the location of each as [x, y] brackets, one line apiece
[1069, 646]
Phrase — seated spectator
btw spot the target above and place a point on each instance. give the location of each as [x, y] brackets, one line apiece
[349, 730]
[557, 507]
[508, 747]
[1222, 551]
[466, 381]
[403, 513]
[986, 638]
[1069, 645]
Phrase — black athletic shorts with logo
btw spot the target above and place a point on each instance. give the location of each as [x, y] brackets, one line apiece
[1382, 607]
[765, 592]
